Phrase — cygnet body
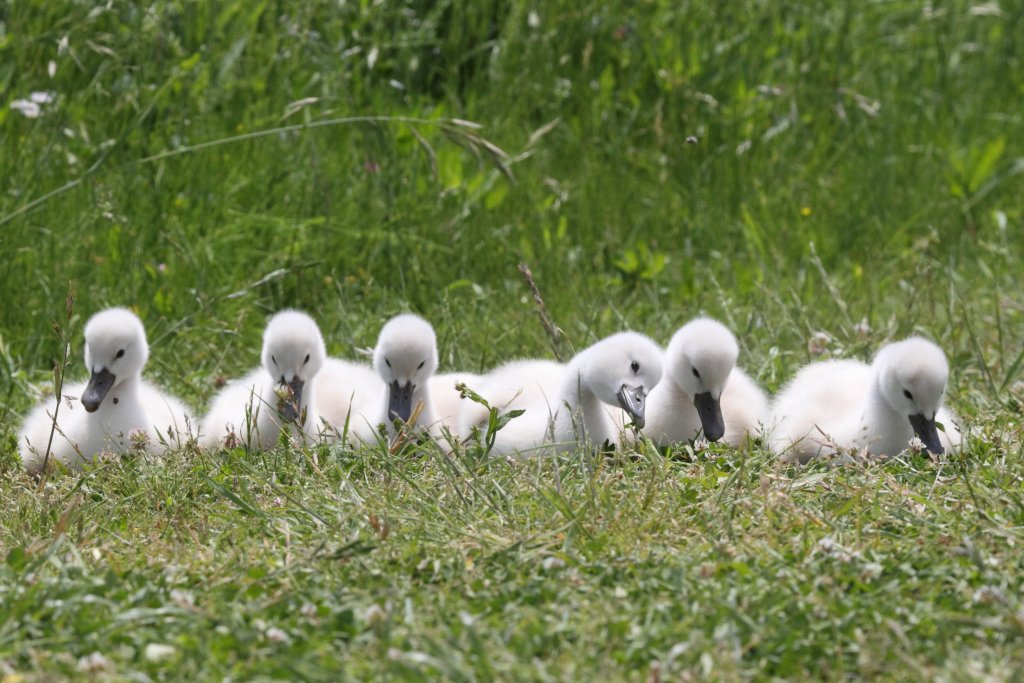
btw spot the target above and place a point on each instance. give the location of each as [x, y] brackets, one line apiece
[280, 394]
[567, 405]
[448, 403]
[703, 392]
[115, 411]
[841, 405]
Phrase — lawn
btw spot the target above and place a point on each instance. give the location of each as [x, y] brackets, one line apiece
[852, 169]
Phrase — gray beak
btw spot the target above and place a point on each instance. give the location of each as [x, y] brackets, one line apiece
[927, 431]
[400, 400]
[99, 385]
[709, 409]
[634, 401]
[290, 409]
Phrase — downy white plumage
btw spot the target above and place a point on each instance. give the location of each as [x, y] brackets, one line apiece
[404, 360]
[566, 405]
[280, 394]
[838, 405]
[448, 403]
[115, 411]
[703, 391]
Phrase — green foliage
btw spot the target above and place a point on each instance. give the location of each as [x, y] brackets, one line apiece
[787, 167]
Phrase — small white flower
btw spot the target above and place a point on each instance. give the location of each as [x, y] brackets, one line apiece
[51, 68]
[41, 97]
[818, 343]
[92, 663]
[27, 108]
[308, 610]
[533, 19]
[156, 652]
[276, 635]
[183, 599]
[862, 329]
[915, 445]
[552, 562]
[870, 571]
[374, 615]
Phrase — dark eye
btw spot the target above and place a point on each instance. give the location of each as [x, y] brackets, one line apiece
[273, 360]
[908, 394]
[695, 373]
[120, 354]
[635, 367]
[388, 362]
[307, 359]
[420, 365]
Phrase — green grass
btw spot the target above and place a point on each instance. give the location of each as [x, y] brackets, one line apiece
[209, 164]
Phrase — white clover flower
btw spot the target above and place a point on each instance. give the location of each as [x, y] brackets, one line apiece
[156, 652]
[552, 562]
[870, 571]
[818, 343]
[27, 108]
[276, 635]
[93, 662]
[862, 329]
[374, 615]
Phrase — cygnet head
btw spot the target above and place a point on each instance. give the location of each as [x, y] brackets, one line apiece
[405, 357]
[621, 370]
[912, 377]
[293, 352]
[115, 350]
[700, 358]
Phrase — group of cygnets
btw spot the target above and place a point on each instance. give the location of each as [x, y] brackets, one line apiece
[608, 394]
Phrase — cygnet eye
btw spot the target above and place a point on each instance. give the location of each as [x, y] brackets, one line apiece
[635, 367]
[388, 362]
[420, 366]
[695, 373]
[908, 394]
[273, 360]
[307, 359]
[120, 353]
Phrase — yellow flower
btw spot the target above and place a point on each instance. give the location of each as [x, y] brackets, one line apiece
[805, 211]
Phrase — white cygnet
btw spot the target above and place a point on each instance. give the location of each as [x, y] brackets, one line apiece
[566, 405]
[840, 405]
[361, 399]
[115, 411]
[279, 394]
[703, 391]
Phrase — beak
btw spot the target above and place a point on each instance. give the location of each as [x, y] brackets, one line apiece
[634, 401]
[400, 400]
[709, 409]
[926, 431]
[99, 385]
[290, 409]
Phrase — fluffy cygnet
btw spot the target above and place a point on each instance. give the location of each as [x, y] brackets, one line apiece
[279, 394]
[703, 391]
[115, 411]
[566, 405]
[404, 360]
[840, 405]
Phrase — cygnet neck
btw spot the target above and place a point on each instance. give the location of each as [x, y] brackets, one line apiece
[883, 430]
[580, 402]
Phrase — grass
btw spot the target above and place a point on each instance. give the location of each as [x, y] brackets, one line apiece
[789, 169]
